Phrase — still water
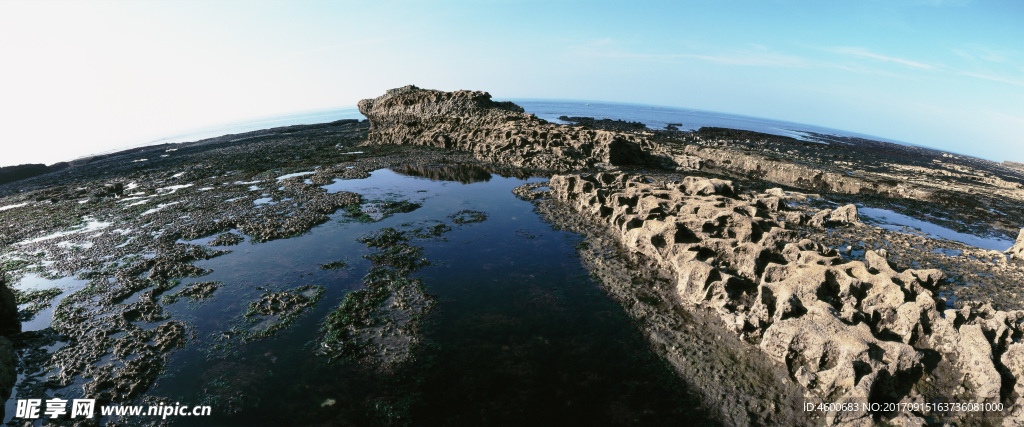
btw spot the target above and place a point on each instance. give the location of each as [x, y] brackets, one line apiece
[520, 333]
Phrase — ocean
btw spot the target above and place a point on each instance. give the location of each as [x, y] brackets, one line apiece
[655, 117]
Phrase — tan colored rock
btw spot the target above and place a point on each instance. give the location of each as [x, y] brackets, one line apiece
[499, 132]
[1017, 250]
[846, 330]
[845, 215]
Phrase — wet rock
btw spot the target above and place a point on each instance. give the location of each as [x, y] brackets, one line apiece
[8, 368]
[499, 132]
[379, 324]
[9, 323]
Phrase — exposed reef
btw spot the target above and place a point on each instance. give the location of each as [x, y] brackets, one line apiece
[848, 331]
[762, 298]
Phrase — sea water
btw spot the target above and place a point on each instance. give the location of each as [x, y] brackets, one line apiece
[520, 332]
[655, 117]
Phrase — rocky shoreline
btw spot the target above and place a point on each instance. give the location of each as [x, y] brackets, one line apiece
[847, 331]
[741, 256]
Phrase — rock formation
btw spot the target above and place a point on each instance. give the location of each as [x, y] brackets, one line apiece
[498, 132]
[1017, 250]
[9, 325]
[848, 331]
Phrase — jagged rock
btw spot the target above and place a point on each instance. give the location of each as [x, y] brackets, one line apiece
[846, 330]
[838, 360]
[845, 215]
[820, 219]
[499, 132]
[1017, 250]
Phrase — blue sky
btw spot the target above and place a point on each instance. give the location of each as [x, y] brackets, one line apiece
[84, 77]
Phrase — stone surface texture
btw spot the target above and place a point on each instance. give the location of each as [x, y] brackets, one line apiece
[848, 331]
[498, 132]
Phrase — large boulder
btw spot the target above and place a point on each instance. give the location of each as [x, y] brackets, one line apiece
[499, 132]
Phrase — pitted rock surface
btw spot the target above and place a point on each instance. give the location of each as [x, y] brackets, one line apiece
[499, 132]
[848, 331]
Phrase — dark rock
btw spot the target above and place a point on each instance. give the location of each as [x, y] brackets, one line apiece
[9, 324]
[605, 124]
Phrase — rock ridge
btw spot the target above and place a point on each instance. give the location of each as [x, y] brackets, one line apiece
[499, 132]
[847, 331]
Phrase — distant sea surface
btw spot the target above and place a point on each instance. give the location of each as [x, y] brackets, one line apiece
[654, 117]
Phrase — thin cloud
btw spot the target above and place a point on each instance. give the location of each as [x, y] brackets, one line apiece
[757, 56]
[992, 78]
[864, 53]
[974, 51]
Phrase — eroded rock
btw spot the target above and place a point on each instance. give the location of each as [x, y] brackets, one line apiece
[1017, 250]
[846, 330]
[499, 132]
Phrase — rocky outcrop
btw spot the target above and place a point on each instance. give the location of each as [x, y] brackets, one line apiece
[841, 216]
[848, 331]
[1017, 250]
[498, 132]
[9, 325]
[756, 166]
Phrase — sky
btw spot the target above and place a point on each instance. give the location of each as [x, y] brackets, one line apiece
[82, 77]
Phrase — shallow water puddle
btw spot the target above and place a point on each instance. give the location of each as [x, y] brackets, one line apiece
[34, 282]
[519, 331]
[90, 225]
[893, 221]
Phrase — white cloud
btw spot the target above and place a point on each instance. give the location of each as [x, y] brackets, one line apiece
[864, 53]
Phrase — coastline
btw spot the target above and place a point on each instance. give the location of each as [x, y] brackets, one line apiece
[319, 155]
